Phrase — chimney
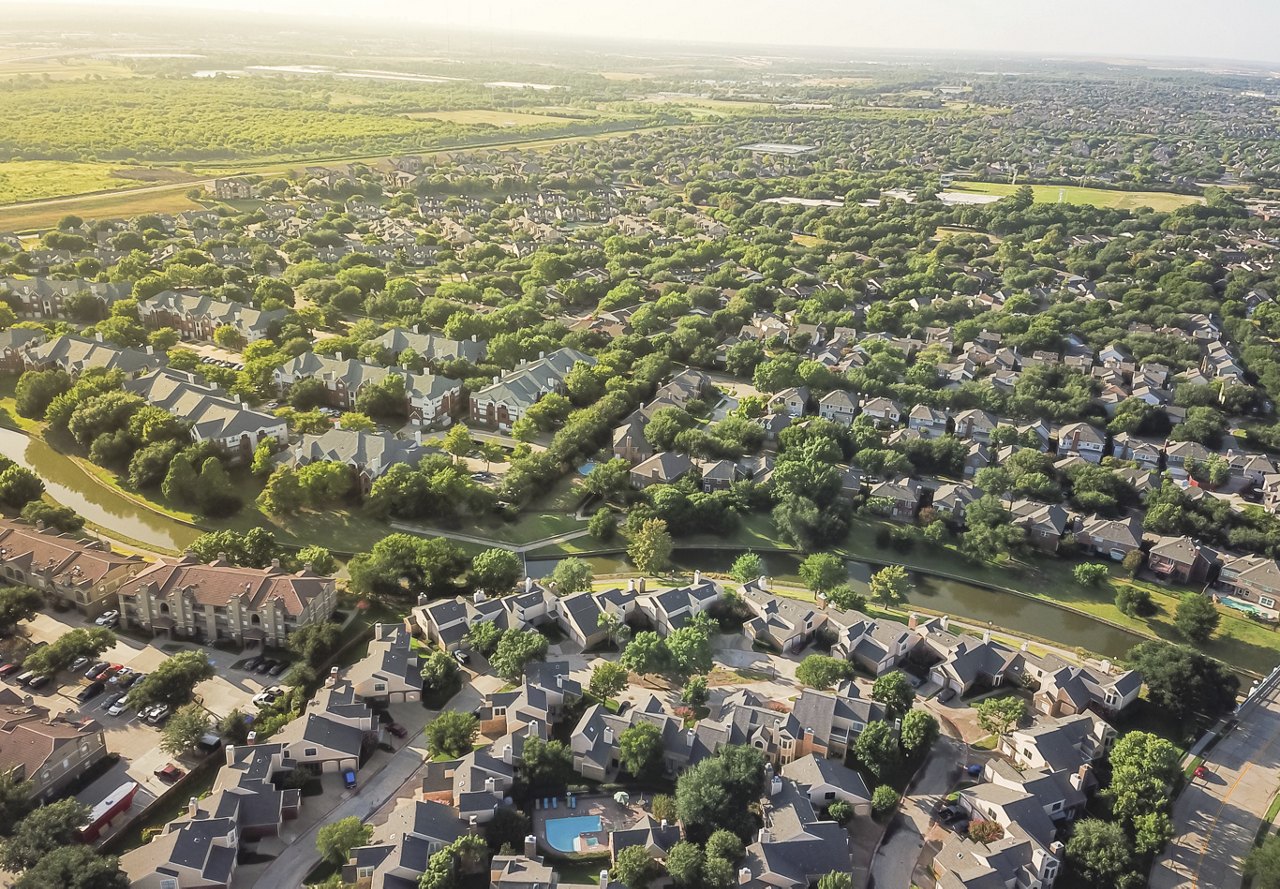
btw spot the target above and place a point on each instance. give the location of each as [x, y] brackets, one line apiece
[986, 637]
[1106, 667]
[490, 785]
[689, 736]
[744, 876]
[763, 582]
[332, 679]
[559, 680]
[697, 578]
[151, 350]
[631, 585]
[275, 563]
[506, 754]
[473, 825]
[604, 879]
[98, 336]
[528, 584]
[775, 785]
[912, 620]
[417, 436]
[251, 738]
[664, 823]
[193, 807]
[474, 338]
[542, 355]
[338, 355]
[477, 597]
[608, 735]
[377, 630]
[530, 846]
[1080, 779]
[640, 585]
[945, 622]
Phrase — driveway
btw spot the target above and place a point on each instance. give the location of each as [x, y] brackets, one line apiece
[1216, 818]
[895, 863]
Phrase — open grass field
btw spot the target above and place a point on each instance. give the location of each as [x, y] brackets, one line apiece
[31, 180]
[1099, 197]
[34, 217]
[719, 105]
[62, 68]
[489, 117]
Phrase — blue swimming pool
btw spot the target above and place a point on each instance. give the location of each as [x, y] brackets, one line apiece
[561, 832]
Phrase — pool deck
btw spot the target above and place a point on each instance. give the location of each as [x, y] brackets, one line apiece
[613, 816]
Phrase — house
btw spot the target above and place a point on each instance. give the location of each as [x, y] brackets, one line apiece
[655, 837]
[961, 662]
[232, 189]
[546, 693]
[400, 848]
[196, 852]
[510, 396]
[50, 751]
[368, 454]
[391, 672]
[838, 406]
[189, 599]
[884, 410]
[794, 847]
[1252, 468]
[1253, 580]
[662, 468]
[826, 780]
[579, 614]
[476, 785]
[817, 723]
[784, 624]
[950, 500]
[75, 355]
[1083, 440]
[212, 415]
[197, 317]
[718, 475]
[1112, 538]
[629, 440]
[876, 646]
[15, 343]
[521, 872]
[429, 399]
[40, 298]
[83, 573]
[793, 401]
[1045, 523]
[670, 609]
[1129, 447]
[1068, 689]
[1062, 743]
[928, 421]
[332, 733]
[1178, 454]
[975, 424]
[1180, 559]
[902, 498]
[432, 348]
[1017, 860]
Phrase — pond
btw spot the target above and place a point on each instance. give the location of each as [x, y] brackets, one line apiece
[102, 506]
[1016, 614]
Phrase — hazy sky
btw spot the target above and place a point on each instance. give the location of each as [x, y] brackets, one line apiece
[1229, 29]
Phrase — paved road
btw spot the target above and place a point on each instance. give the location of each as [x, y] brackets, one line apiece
[291, 867]
[1216, 818]
[895, 862]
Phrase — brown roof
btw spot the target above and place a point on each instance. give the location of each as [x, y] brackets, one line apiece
[69, 560]
[217, 583]
[29, 745]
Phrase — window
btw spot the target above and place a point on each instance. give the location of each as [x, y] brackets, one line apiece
[309, 751]
[379, 686]
[1266, 602]
[830, 794]
[171, 883]
[362, 873]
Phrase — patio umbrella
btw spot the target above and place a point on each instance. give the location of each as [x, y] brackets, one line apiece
[622, 798]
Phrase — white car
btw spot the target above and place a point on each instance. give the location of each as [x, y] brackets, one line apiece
[118, 707]
[108, 618]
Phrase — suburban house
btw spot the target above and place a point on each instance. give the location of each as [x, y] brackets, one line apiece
[189, 599]
[521, 872]
[369, 454]
[838, 406]
[795, 847]
[75, 355]
[1066, 689]
[876, 646]
[781, 623]
[793, 401]
[543, 697]
[390, 673]
[41, 298]
[975, 424]
[1045, 523]
[476, 785]
[510, 396]
[655, 837]
[960, 662]
[901, 497]
[199, 851]
[824, 724]
[884, 410]
[14, 346]
[1146, 454]
[1180, 559]
[334, 729]
[826, 780]
[629, 440]
[429, 399]
[1112, 538]
[928, 421]
[662, 468]
[433, 348]
[196, 316]
[50, 751]
[1178, 454]
[1252, 580]
[1082, 440]
[950, 500]
[83, 573]
[212, 414]
[398, 852]
[1064, 743]
[444, 622]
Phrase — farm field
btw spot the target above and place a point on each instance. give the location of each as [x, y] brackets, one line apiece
[161, 199]
[490, 117]
[63, 68]
[32, 180]
[1099, 197]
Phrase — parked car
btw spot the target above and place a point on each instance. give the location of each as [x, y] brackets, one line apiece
[159, 714]
[960, 826]
[461, 657]
[108, 619]
[90, 691]
[9, 669]
[35, 683]
[252, 664]
[96, 669]
[80, 663]
[277, 670]
[118, 705]
[265, 698]
[398, 730]
[265, 667]
[120, 679]
[106, 673]
[946, 695]
[24, 678]
[349, 778]
[127, 679]
[170, 773]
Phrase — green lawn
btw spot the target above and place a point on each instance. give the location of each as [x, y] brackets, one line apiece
[1098, 197]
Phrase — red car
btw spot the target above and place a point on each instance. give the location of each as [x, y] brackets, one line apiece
[398, 730]
[170, 773]
[1201, 771]
[108, 673]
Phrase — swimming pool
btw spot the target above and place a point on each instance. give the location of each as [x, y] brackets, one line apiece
[561, 832]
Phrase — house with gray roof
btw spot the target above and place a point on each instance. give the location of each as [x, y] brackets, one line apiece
[369, 454]
[961, 661]
[784, 624]
[196, 316]
[476, 784]
[15, 343]
[401, 847]
[510, 396]
[75, 355]
[1110, 538]
[429, 399]
[794, 847]
[661, 469]
[1059, 743]
[391, 672]
[432, 347]
[826, 780]
[654, 836]
[198, 852]
[42, 298]
[876, 646]
[838, 406]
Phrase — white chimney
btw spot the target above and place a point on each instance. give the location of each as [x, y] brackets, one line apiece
[193, 807]
[608, 735]
[251, 738]
[664, 823]
[631, 585]
[986, 636]
[530, 846]
[763, 582]
[528, 584]
[490, 785]
[338, 355]
[744, 876]
[697, 578]
[945, 622]
[775, 785]
[604, 879]
[640, 586]
[506, 754]
[1106, 667]
[478, 596]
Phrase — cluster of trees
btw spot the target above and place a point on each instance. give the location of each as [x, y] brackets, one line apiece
[42, 847]
[684, 652]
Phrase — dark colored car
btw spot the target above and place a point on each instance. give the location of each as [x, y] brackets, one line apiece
[461, 657]
[398, 730]
[349, 778]
[960, 826]
[170, 773]
[265, 667]
[947, 814]
[253, 663]
[277, 669]
[38, 682]
[90, 691]
[97, 668]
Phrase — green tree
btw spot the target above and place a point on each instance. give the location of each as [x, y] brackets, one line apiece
[16, 798]
[747, 567]
[1182, 681]
[840, 812]
[724, 844]
[695, 692]
[53, 516]
[616, 631]
[515, 650]
[483, 637]
[335, 841]
[684, 863]
[889, 585]
[496, 570]
[650, 547]
[663, 807]
[452, 734]
[718, 792]
[821, 671]
[319, 559]
[633, 868]
[999, 716]
[607, 679]
[835, 880]
[457, 442]
[919, 731]
[1135, 601]
[717, 873]
[690, 650]
[1196, 618]
[1143, 768]
[603, 525]
[17, 603]
[608, 480]
[1263, 864]
[59, 654]
[571, 575]
[36, 389]
[74, 867]
[1090, 574]
[439, 670]
[844, 596]
[42, 831]
[883, 800]
[646, 653]
[1099, 850]
[314, 644]
[19, 486]
[877, 749]
[894, 691]
[185, 728]
[640, 749]
[823, 571]
[546, 764]
[173, 681]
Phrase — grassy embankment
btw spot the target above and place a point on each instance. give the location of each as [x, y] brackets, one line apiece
[1163, 201]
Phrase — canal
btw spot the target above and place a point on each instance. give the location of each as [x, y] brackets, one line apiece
[1017, 614]
[102, 506]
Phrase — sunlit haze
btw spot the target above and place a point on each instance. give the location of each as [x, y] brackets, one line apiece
[1173, 28]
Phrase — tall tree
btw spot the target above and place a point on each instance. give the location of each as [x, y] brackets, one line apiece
[650, 547]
